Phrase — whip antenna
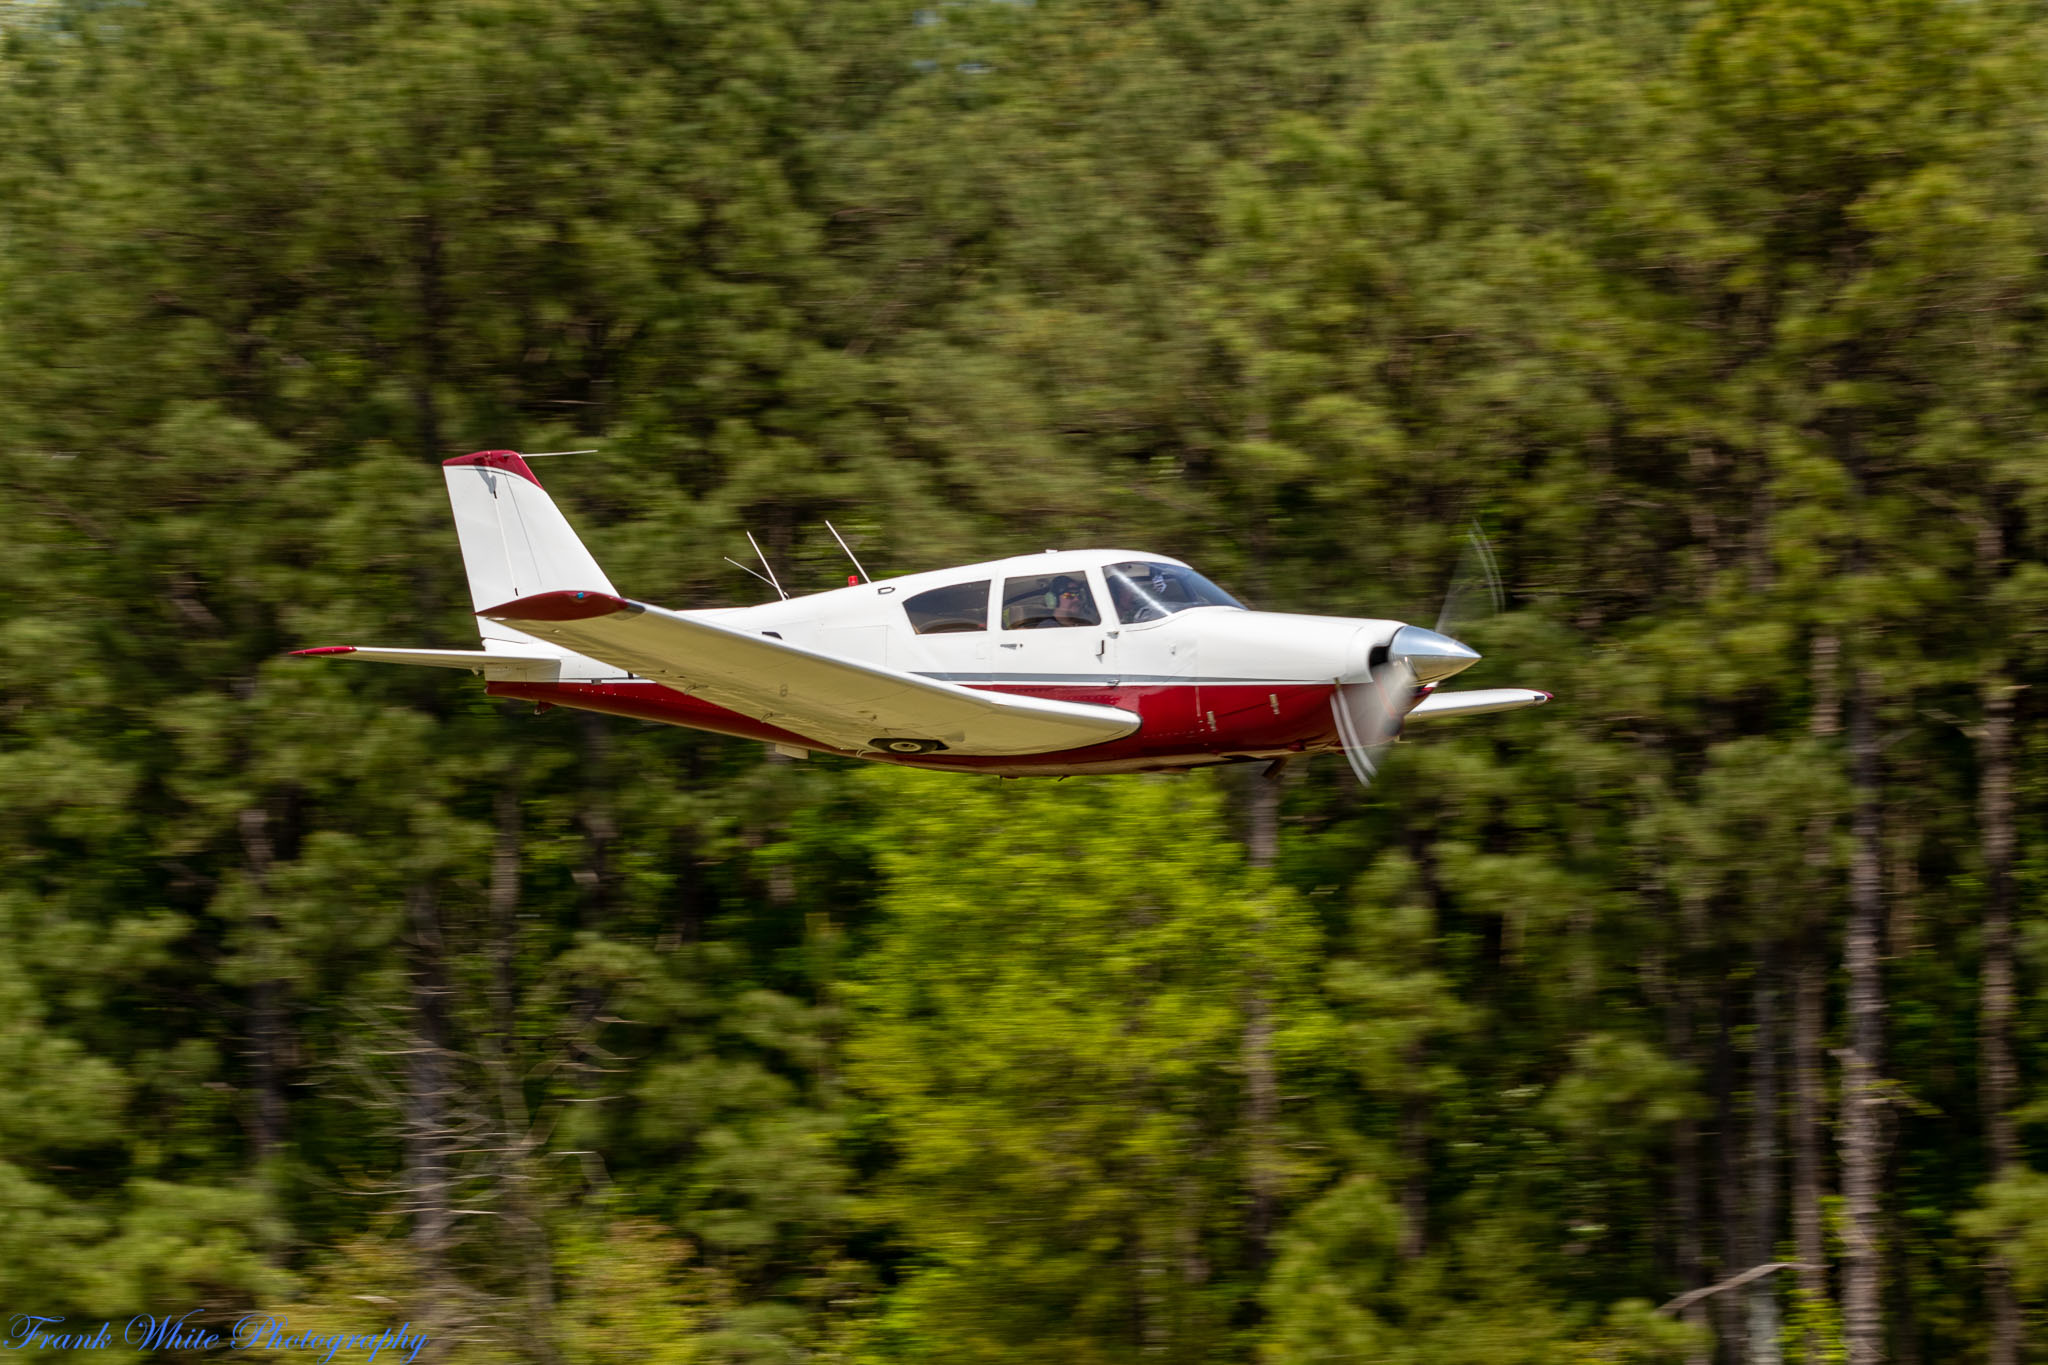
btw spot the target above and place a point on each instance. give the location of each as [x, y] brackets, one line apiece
[849, 551]
[744, 569]
[766, 565]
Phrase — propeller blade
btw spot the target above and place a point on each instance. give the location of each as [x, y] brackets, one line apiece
[1369, 714]
[1474, 592]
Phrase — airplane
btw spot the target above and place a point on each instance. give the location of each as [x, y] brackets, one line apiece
[1052, 664]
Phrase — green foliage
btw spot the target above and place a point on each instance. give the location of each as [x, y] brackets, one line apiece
[1812, 1319]
[1723, 318]
[1053, 1031]
[2014, 1214]
[1341, 1289]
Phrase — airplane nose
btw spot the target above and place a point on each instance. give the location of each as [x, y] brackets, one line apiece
[1434, 657]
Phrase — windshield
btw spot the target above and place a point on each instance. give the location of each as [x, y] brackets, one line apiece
[1143, 591]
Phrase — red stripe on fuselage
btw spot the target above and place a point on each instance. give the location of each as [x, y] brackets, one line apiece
[1183, 725]
[651, 701]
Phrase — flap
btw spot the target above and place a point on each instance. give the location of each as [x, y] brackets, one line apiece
[842, 702]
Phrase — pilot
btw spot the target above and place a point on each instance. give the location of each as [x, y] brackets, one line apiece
[1069, 602]
[1129, 597]
[1123, 595]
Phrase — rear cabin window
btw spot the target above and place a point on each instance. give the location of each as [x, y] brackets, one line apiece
[947, 610]
[1056, 599]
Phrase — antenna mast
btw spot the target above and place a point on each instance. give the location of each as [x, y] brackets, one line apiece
[849, 551]
[766, 565]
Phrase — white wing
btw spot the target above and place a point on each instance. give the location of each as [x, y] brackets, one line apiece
[842, 702]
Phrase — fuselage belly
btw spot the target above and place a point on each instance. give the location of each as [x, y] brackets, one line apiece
[1184, 723]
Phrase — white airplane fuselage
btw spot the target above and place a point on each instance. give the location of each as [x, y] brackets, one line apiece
[1069, 661]
[1210, 684]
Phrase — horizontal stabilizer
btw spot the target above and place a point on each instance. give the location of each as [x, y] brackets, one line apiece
[843, 703]
[494, 666]
[1476, 703]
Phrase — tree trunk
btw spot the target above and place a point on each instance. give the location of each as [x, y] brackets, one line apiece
[1762, 1294]
[1995, 1014]
[266, 996]
[1692, 1274]
[1262, 1088]
[1809, 1246]
[1686, 1164]
[600, 831]
[505, 924]
[1998, 1079]
[1415, 1164]
[1862, 1139]
[1262, 819]
[1416, 1106]
[1905, 1315]
[1809, 1021]
[432, 345]
[1731, 1324]
[523, 1210]
[428, 1086]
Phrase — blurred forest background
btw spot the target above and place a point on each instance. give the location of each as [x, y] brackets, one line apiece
[348, 993]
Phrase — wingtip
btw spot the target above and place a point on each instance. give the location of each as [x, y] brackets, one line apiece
[318, 650]
[560, 605]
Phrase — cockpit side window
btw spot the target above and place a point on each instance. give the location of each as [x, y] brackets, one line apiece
[953, 608]
[1149, 590]
[1056, 599]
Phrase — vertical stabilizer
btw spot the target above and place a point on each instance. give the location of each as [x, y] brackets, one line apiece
[515, 541]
